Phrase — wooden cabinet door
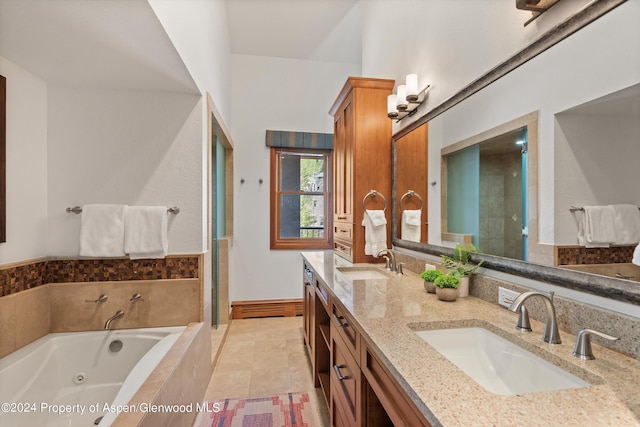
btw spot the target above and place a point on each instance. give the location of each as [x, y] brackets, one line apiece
[343, 162]
[346, 381]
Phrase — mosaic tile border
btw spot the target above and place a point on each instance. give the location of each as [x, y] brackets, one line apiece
[19, 278]
[573, 255]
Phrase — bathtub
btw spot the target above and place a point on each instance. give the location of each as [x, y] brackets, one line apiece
[73, 379]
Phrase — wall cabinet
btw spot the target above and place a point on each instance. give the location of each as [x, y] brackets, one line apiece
[358, 388]
[362, 161]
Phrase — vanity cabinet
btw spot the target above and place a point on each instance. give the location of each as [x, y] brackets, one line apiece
[362, 161]
[358, 388]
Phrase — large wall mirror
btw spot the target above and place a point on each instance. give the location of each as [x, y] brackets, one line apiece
[509, 185]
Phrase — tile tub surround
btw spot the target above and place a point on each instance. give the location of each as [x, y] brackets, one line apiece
[61, 307]
[385, 311]
[569, 255]
[180, 378]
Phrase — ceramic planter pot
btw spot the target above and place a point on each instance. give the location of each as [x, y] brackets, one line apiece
[446, 294]
[429, 287]
[463, 289]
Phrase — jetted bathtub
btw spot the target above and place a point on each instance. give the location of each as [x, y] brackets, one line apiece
[74, 379]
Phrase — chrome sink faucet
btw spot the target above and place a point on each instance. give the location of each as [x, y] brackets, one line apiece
[392, 265]
[551, 333]
[583, 343]
[118, 314]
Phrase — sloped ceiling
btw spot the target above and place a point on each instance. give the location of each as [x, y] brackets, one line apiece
[319, 30]
[107, 44]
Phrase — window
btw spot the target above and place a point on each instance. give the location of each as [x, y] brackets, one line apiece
[300, 199]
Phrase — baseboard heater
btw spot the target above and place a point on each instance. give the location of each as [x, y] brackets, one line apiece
[266, 308]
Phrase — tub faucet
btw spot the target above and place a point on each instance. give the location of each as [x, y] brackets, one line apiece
[118, 314]
[392, 265]
[551, 333]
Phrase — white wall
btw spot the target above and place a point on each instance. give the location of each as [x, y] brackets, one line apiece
[124, 147]
[198, 30]
[26, 164]
[276, 94]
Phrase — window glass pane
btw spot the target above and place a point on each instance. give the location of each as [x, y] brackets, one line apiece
[301, 172]
[301, 216]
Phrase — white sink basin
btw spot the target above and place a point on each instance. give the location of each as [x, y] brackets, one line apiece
[363, 273]
[497, 364]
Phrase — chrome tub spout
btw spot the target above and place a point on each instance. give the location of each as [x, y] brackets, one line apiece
[118, 314]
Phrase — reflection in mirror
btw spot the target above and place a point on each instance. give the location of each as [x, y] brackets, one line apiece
[486, 189]
[486, 195]
[411, 151]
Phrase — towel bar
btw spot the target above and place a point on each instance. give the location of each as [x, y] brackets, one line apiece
[372, 194]
[77, 210]
[577, 209]
[411, 193]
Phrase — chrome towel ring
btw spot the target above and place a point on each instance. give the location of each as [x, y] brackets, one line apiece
[372, 194]
[410, 194]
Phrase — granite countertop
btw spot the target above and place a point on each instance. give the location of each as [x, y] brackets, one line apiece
[389, 310]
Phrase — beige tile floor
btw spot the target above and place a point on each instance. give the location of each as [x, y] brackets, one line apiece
[263, 357]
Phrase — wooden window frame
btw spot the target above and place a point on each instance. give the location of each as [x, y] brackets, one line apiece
[278, 242]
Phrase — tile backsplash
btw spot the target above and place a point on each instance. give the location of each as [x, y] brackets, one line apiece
[573, 255]
[20, 277]
[572, 315]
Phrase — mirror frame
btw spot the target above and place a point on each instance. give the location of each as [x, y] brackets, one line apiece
[3, 159]
[608, 287]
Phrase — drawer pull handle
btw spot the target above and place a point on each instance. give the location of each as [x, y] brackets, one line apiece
[339, 374]
[340, 322]
[342, 217]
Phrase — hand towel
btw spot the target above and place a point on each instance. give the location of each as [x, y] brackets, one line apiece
[102, 231]
[636, 256]
[598, 228]
[627, 224]
[145, 232]
[410, 225]
[375, 231]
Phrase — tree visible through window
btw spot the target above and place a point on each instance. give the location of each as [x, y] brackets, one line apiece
[300, 198]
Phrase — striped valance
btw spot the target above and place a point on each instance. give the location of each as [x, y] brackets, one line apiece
[286, 139]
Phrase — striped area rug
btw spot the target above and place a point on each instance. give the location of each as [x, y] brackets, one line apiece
[286, 410]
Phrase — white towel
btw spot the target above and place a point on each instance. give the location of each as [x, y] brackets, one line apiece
[375, 231]
[145, 232]
[102, 231]
[636, 256]
[627, 224]
[410, 226]
[596, 228]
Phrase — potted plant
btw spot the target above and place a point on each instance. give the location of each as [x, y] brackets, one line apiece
[447, 287]
[429, 276]
[460, 266]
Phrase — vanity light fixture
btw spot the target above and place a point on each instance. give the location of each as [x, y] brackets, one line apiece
[406, 101]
